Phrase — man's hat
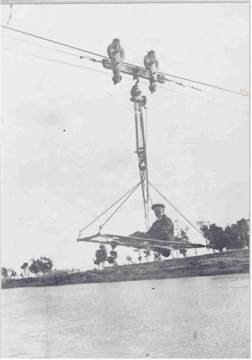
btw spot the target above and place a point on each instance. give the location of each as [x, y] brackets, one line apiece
[157, 205]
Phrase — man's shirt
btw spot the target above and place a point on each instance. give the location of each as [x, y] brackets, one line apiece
[162, 229]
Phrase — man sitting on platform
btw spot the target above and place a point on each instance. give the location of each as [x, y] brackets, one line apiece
[162, 228]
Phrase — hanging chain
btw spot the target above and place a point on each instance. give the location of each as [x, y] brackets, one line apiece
[146, 180]
[136, 124]
[145, 151]
[139, 104]
[141, 155]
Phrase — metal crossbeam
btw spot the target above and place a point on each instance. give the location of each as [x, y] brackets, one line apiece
[132, 70]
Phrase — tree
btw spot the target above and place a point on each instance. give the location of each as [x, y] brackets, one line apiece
[4, 272]
[214, 235]
[230, 237]
[100, 255]
[182, 237]
[147, 254]
[24, 268]
[112, 258]
[235, 236]
[42, 265]
[157, 256]
[139, 255]
[243, 228]
[46, 264]
[13, 273]
[183, 252]
[129, 258]
[34, 267]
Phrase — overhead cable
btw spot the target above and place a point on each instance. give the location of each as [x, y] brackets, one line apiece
[90, 59]
[46, 47]
[105, 57]
[191, 96]
[106, 73]
[56, 61]
[52, 41]
[201, 83]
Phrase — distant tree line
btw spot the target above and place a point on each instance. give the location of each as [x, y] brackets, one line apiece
[235, 236]
[8, 273]
[40, 266]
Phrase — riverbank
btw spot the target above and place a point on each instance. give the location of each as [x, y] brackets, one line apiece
[231, 262]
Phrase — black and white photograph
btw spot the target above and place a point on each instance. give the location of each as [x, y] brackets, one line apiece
[125, 180]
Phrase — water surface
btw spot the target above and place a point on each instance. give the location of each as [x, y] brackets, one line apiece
[200, 317]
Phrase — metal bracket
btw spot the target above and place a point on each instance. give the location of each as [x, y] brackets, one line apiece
[117, 55]
[130, 69]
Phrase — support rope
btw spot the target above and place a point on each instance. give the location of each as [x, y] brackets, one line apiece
[120, 205]
[80, 232]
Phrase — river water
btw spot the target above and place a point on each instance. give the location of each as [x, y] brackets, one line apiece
[200, 317]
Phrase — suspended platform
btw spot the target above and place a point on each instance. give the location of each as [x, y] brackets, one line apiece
[116, 55]
[139, 243]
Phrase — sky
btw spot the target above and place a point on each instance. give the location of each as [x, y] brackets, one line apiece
[68, 135]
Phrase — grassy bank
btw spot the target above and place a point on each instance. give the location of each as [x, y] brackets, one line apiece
[232, 262]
